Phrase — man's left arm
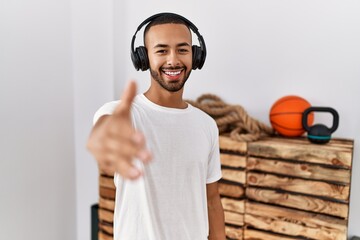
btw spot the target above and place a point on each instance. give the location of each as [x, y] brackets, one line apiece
[215, 212]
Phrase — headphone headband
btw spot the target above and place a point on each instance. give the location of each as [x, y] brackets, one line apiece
[139, 55]
[149, 19]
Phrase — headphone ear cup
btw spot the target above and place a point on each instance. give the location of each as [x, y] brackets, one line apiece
[196, 51]
[198, 57]
[140, 59]
[143, 57]
[135, 59]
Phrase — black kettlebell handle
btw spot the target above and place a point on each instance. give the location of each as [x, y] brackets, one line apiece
[321, 109]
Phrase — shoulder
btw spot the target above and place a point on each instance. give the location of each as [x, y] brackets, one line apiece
[109, 107]
[106, 109]
[205, 118]
[208, 125]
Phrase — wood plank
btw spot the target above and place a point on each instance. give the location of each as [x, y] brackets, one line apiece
[107, 182]
[312, 153]
[237, 176]
[107, 193]
[294, 222]
[107, 228]
[231, 160]
[229, 190]
[227, 144]
[342, 142]
[234, 233]
[298, 201]
[334, 142]
[315, 188]
[234, 218]
[104, 236]
[105, 215]
[107, 204]
[102, 173]
[233, 205]
[252, 234]
[304, 170]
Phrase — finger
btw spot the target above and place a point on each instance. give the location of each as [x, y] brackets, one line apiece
[107, 167]
[127, 98]
[108, 170]
[120, 149]
[119, 129]
[130, 147]
[143, 154]
[123, 140]
[127, 170]
[138, 139]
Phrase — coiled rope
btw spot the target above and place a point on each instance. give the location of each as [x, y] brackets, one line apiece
[232, 120]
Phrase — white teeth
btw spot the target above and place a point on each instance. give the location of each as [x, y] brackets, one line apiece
[173, 73]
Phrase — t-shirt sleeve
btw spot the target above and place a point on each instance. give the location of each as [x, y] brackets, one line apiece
[214, 165]
[106, 109]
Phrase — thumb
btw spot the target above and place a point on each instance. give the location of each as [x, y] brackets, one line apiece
[127, 98]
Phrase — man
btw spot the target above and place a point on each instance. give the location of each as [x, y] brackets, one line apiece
[163, 151]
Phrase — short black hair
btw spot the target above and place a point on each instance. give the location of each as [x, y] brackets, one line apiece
[164, 19]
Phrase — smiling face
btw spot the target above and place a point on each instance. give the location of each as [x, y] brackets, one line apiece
[170, 55]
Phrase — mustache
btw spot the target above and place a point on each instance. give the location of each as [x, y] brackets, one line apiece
[173, 68]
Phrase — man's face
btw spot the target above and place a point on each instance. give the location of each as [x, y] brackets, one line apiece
[170, 55]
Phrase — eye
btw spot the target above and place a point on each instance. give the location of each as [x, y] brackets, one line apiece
[161, 51]
[183, 50]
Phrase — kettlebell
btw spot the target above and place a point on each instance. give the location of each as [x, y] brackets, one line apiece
[319, 133]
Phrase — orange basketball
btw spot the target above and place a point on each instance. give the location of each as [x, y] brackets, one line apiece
[286, 116]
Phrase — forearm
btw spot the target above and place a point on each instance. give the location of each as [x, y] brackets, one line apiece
[216, 219]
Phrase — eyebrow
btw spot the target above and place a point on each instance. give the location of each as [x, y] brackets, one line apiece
[166, 46]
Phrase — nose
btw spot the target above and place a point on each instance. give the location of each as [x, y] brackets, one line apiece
[173, 59]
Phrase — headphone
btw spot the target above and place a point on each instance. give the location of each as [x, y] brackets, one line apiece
[139, 55]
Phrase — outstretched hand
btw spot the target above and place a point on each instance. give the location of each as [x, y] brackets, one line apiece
[115, 143]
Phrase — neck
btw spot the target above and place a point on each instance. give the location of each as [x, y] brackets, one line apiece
[165, 98]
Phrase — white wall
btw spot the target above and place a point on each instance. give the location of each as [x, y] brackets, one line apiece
[92, 30]
[37, 176]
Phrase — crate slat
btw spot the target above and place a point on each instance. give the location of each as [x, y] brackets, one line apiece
[315, 188]
[334, 156]
[229, 190]
[298, 201]
[106, 228]
[233, 205]
[235, 161]
[105, 215]
[227, 144]
[104, 236]
[234, 233]
[108, 193]
[294, 222]
[107, 182]
[234, 218]
[251, 234]
[108, 204]
[237, 176]
[303, 170]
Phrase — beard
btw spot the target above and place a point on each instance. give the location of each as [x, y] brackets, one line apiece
[171, 86]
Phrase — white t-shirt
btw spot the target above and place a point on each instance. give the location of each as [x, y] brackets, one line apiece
[169, 202]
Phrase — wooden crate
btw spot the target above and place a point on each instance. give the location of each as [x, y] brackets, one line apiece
[232, 186]
[106, 206]
[274, 188]
[292, 190]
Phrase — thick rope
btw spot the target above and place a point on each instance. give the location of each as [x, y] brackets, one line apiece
[232, 120]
